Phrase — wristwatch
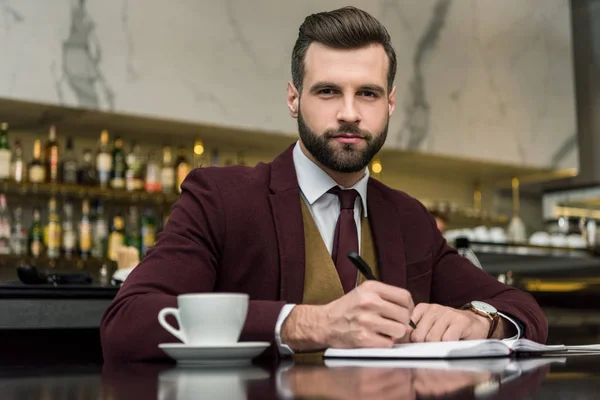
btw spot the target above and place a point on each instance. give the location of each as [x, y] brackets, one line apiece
[485, 310]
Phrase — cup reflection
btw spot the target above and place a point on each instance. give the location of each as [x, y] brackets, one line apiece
[181, 383]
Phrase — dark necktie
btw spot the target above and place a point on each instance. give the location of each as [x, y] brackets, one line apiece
[345, 238]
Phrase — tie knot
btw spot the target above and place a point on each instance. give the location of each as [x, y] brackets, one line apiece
[347, 197]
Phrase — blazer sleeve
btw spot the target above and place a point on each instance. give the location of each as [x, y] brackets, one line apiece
[456, 281]
[185, 259]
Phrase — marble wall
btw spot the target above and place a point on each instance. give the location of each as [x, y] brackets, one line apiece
[476, 78]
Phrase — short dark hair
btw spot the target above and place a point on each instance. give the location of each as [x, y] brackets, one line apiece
[344, 28]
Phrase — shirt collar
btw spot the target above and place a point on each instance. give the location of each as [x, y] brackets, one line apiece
[314, 182]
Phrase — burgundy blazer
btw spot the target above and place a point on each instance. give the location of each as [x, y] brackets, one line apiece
[239, 229]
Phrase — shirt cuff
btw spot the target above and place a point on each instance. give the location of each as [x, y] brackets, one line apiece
[284, 349]
[515, 323]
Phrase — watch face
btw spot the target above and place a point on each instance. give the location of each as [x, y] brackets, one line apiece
[485, 307]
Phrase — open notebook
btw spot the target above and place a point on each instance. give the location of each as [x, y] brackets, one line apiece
[461, 349]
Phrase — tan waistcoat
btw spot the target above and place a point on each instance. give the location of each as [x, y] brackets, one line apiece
[322, 283]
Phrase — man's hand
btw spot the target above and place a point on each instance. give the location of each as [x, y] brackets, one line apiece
[436, 323]
[372, 315]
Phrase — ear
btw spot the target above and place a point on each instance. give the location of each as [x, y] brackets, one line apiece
[392, 101]
[293, 98]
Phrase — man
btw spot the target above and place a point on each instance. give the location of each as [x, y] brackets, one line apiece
[281, 231]
[441, 220]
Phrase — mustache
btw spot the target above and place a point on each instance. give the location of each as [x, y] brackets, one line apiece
[347, 129]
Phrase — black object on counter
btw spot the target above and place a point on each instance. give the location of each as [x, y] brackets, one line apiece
[30, 275]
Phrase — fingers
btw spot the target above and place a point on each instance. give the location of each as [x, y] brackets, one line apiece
[383, 326]
[438, 323]
[424, 318]
[392, 294]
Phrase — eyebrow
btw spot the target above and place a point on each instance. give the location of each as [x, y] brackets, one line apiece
[329, 85]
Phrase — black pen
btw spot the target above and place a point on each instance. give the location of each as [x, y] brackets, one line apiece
[364, 269]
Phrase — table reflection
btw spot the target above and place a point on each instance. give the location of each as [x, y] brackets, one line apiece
[407, 380]
[335, 379]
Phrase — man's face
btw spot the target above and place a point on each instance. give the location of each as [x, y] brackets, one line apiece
[344, 108]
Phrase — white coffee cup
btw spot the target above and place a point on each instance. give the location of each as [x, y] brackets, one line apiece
[207, 318]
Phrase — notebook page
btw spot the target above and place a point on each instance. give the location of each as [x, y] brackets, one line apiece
[455, 349]
[526, 345]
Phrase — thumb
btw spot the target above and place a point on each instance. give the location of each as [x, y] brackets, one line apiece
[419, 312]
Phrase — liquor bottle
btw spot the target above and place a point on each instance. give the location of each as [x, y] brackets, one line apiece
[86, 174]
[37, 172]
[132, 229]
[69, 164]
[18, 237]
[69, 236]
[18, 165]
[148, 231]
[103, 161]
[198, 153]
[4, 152]
[54, 228]
[36, 245]
[214, 159]
[152, 174]
[116, 239]
[4, 226]
[241, 158]
[119, 167]
[85, 231]
[100, 233]
[51, 156]
[182, 167]
[134, 177]
[167, 173]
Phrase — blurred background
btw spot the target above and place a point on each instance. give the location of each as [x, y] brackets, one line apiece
[106, 105]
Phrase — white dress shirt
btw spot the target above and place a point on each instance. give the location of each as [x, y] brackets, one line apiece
[325, 209]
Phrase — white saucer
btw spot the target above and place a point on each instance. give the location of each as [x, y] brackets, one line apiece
[240, 353]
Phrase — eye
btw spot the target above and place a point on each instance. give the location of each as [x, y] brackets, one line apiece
[326, 92]
[368, 93]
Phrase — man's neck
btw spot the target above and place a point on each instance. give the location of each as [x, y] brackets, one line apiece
[344, 179]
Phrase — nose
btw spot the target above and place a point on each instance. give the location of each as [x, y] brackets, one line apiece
[348, 112]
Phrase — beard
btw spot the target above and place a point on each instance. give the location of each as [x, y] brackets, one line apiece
[349, 158]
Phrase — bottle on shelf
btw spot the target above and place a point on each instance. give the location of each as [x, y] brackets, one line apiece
[132, 229]
[134, 176]
[4, 152]
[198, 153]
[85, 231]
[36, 235]
[148, 231]
[69, 164]
[4, 226]
[214, 159]
[182, 167]
[69, 235]
[86, 174]
[37, 172]
[18, 236]
[18, 165]
[241, 158]
[51, 156]
[119, 167]
[152, 184]
[100, 233]
[167, 173]
[54, 228]
[116, 239]
[103, 161]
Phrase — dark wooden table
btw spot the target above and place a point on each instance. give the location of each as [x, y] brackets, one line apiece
[576, 377]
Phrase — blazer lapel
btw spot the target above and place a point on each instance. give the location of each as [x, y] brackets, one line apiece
[385, 223]
[284, 200]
